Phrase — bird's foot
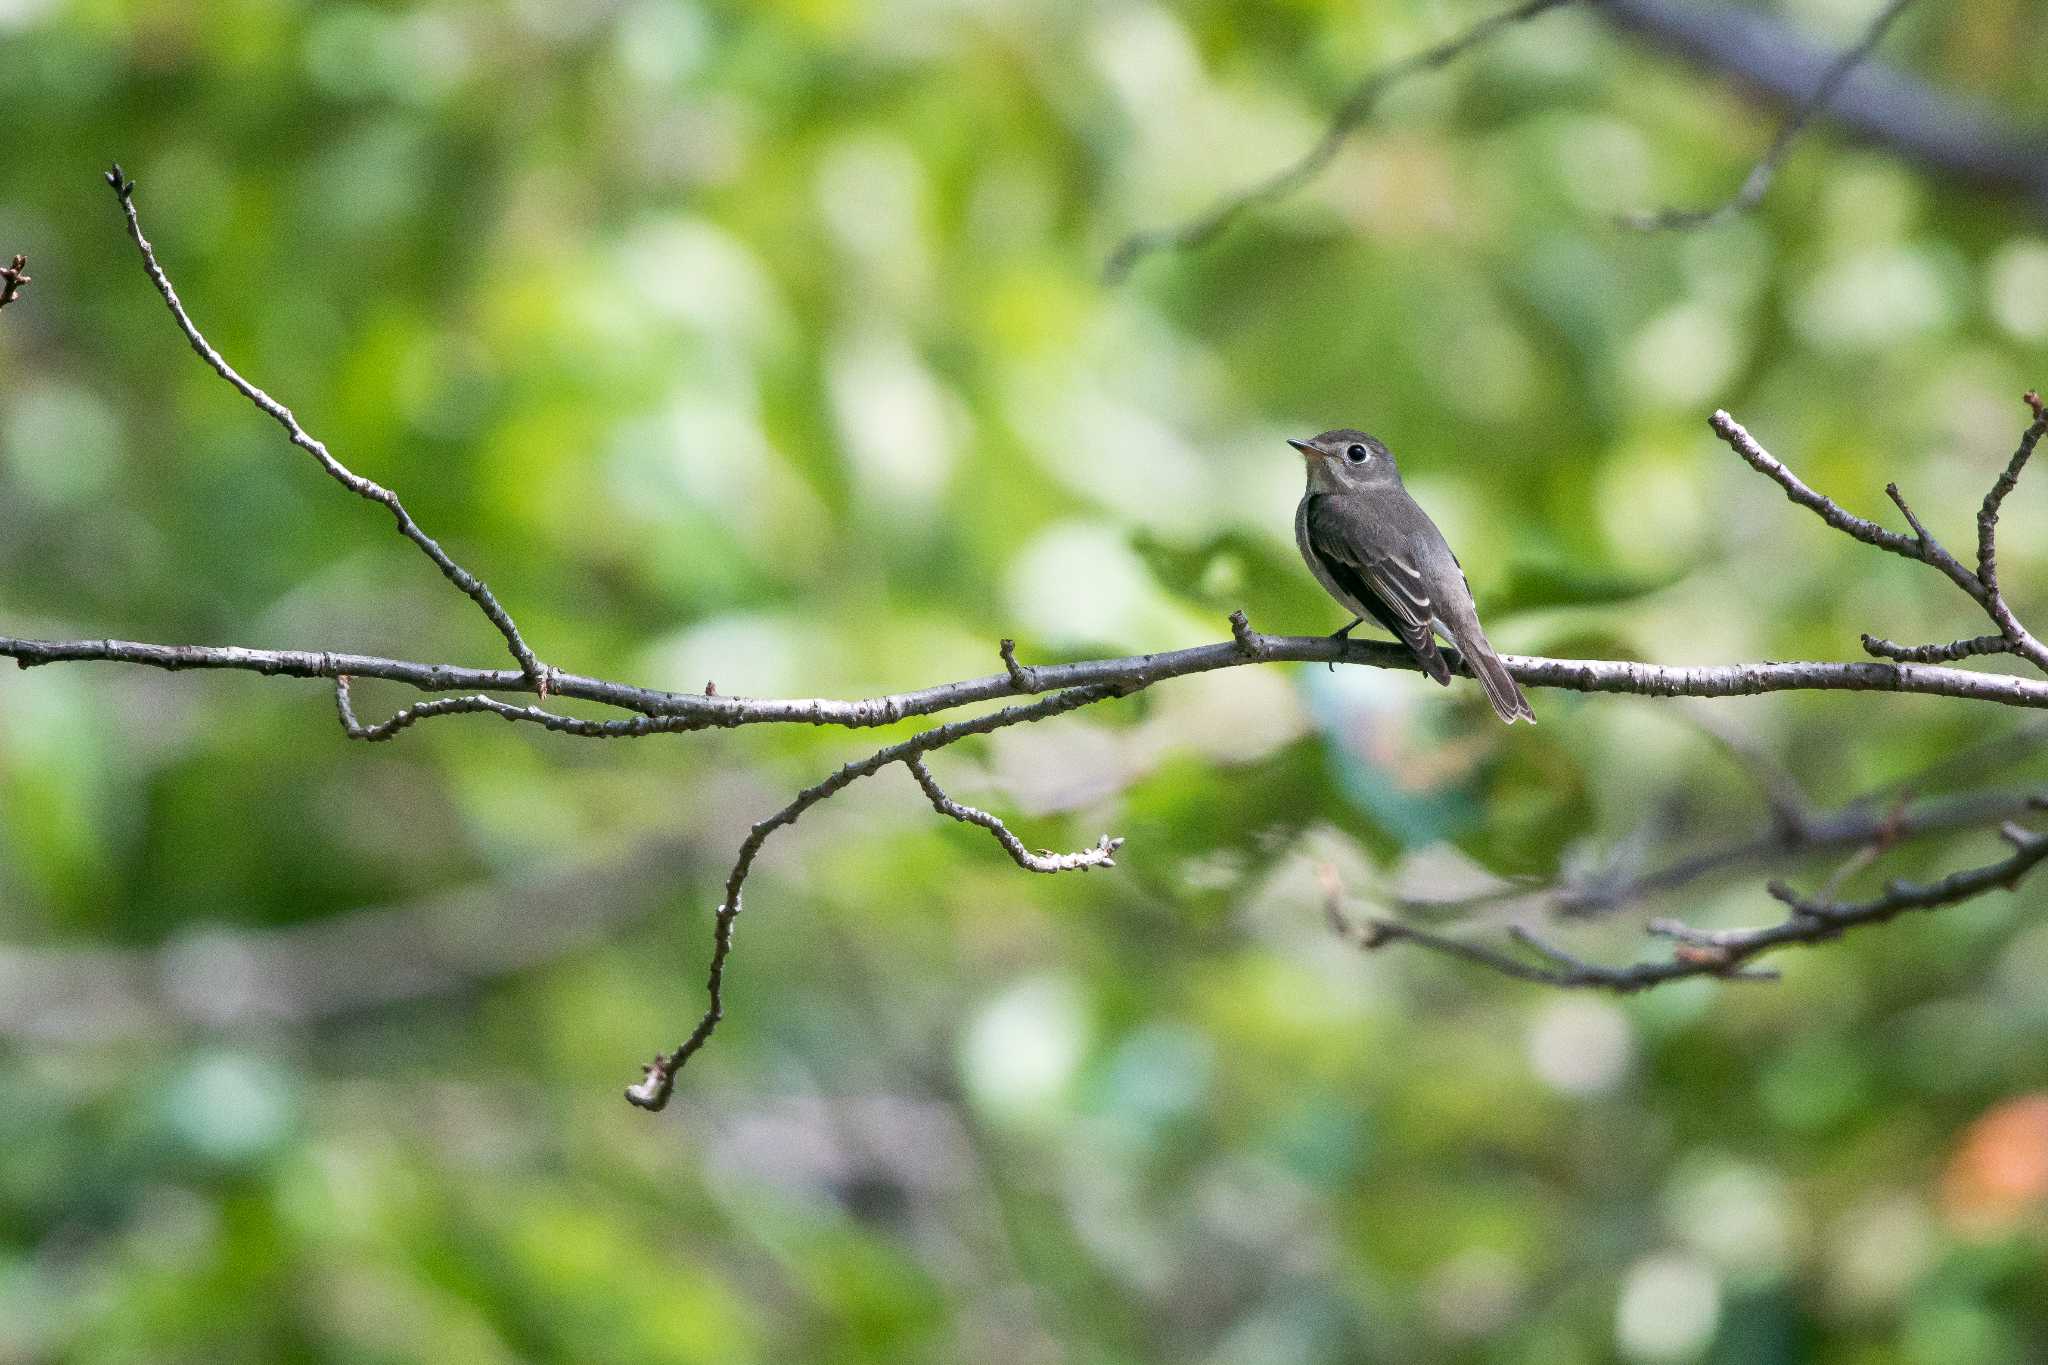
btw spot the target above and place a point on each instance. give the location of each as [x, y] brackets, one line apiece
[1344, 634]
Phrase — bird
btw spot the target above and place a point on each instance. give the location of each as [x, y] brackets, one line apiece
[1375, 550]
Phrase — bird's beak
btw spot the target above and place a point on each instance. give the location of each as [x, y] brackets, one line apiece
[1304, 447]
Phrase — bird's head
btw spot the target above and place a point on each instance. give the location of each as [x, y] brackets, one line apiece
[1343, 460]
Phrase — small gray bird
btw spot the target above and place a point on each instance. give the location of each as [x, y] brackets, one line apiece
[1375, 550]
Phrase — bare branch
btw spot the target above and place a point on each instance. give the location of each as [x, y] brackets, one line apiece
[13, 279]
[2022, 642]
[1861, 824]
[1848, 523]
[1880, 819]
[654, 1089]
[1949, 136]
[1723, 953]
[1937, 654]
[1377, 933]
[1614, 676]
[1758, 182]
[1102, 855]
[1564, 970]
[1250, 643]
[1894, 110]
[1982, 586]
[470, 585]
[1830, 917]
[1356, 107]
[407, 717]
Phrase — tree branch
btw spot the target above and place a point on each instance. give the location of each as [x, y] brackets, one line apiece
[1758, 182]
[2022, 642]
[1931, 129]
[655, 1087]
[469, 584]
[1981, 586]
[1937, 654]
[1723, 953]
[1866, 822]
[1102, 855]
[1558, 968]
[1351, 112]
[687, 711]
[407, 717]
[1938, 132]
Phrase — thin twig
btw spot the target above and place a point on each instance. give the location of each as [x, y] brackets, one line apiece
[407, 717]
[1101, 855]
[1848, 523]
[1789, 805]
[2023, 643]
[469, 584]
[1758, 182]
[1937, 654]
[1981, 585]
[1723, 953]
[654, 1089]
[1353, 111]
[1968, 142]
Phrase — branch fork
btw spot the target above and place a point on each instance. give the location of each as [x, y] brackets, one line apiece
[1981, 585]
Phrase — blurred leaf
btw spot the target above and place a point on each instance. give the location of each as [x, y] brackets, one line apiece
[1533, 585]
[1224, 572]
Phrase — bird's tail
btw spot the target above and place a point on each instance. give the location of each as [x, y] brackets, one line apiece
[1508, 702]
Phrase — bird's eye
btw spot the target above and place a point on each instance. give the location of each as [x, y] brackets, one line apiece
[1356, 454]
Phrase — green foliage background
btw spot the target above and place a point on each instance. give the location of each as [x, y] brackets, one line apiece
[766, 343]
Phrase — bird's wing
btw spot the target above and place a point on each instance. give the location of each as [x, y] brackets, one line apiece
[1382, 576]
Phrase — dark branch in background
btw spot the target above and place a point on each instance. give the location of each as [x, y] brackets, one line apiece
[1938, 132]
[1350, 114]
[1723, 953]
[1068, 687]
[1878, 820]
[1935, 131]
[13, 279]
[243, 978]
[1758, 182]
[1860, 825]
[1782, 793]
